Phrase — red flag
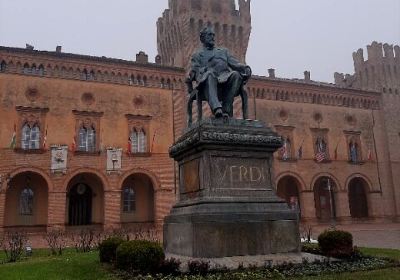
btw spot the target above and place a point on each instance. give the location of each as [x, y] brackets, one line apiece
[152, 142]
[73, 145]
[13, 141]
[129, 151]
[45, 140]
[369, 154]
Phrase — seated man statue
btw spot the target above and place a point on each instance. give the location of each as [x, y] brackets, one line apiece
[219, 76]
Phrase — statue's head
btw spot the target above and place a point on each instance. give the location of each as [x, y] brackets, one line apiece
[207, 37]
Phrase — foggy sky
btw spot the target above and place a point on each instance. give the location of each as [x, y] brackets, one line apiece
[289, 35]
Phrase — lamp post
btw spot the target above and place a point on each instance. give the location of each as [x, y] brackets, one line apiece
[333, 222]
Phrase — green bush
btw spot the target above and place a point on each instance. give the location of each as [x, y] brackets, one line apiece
[108, 249]
[139, 255]
[336, 243]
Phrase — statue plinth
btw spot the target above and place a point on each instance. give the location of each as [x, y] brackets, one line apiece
[227, 205]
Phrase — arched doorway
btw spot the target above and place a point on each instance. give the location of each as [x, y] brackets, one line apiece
[137, 199]
[85, 200]
[324, 196]
[80, 205]
[27, 201]
[288, 189]
[358, 198]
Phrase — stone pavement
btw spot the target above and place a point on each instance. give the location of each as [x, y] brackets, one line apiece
[385, 235]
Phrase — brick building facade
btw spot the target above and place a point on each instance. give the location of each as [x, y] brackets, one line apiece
[84, 140]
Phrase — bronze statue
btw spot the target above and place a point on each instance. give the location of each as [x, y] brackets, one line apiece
[219, 76]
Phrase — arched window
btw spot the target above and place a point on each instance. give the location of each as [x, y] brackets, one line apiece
[87, 139]
[285, 151]
[131, 80]
[3, 66]
[26, 202]
[26, 69]
[142, 145]
[138, 141]
[134, 141]
[30, 137]
[353, 152]
[321, 152]
[128, 200]
[40, 70]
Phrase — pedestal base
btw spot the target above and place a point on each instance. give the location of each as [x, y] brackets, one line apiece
[227, 205]
[226, 235]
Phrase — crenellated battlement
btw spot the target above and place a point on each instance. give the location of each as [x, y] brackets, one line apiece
[178, 28]
[379, 72]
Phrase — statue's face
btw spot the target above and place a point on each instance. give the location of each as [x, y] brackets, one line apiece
[209, 39]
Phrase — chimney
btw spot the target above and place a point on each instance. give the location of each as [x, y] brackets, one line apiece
[58, 49]
[142, 57]
[307, 76]
[271, 73]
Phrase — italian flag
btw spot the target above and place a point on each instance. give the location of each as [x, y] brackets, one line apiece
[13, 141]
[45, 140]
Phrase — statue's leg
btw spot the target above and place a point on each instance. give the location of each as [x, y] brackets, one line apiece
[231, 89]
[189, 110]
[211, 92]
[245, 103]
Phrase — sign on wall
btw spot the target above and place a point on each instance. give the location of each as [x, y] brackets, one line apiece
[114, 159]
[59, 156]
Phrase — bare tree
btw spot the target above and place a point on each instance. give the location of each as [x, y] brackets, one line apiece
[13, 244]
[57, 241]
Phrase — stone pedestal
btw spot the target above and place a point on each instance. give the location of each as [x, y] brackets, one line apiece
[227, 206]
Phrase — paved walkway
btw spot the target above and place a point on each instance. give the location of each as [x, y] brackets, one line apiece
[370, 235]
[365, 235]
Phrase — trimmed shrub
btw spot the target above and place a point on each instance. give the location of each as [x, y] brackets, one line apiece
[198, 267]
[139, 255]
[169, 267]
[108, 249]
[336, 243]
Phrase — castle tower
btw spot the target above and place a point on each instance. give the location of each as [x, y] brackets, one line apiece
[380, 72]
[179, 27]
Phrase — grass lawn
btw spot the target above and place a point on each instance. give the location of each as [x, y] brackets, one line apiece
[68, 266]
[74, 266]
[385, 274]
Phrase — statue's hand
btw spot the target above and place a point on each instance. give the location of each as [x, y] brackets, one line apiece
[247, 72]
[203, 70]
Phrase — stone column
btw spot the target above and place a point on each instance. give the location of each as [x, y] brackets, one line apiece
[375, 209]
[342, 206]
[307, 204]
[2, 208]
[112, 209]
[57, 207]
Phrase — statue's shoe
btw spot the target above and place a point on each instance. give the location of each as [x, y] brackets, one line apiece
[218, 113]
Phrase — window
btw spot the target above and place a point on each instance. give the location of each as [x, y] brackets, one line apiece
[87, 139]
[27, 69]
[40, 70]
[129, 200]
[321, 149]
[286, 132]
[138, 132]
[353, 152]
[3, 66]
[30, 137]
[285, 152]
[87, 76]
[26, 202]
[138, 141]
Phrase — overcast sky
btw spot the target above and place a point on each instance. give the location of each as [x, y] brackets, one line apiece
[289, 35]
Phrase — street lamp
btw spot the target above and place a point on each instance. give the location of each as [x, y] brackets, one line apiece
[333, 221]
